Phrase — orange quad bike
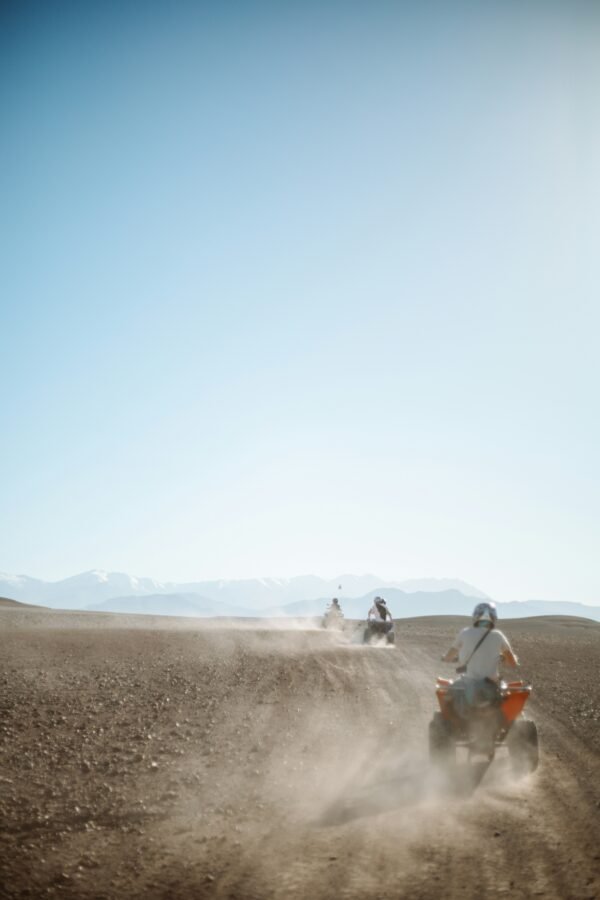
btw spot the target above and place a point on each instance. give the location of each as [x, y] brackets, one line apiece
[484, 725]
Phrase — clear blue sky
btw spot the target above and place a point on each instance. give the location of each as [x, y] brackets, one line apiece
[302, 287]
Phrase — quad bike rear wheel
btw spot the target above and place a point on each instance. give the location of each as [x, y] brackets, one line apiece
[442, 749]
[523, 746]
[376, 632]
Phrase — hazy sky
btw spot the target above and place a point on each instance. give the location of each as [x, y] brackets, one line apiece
[302, 288]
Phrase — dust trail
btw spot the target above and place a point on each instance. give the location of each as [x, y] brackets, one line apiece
[201, 760]
[308, 740]
[367, 753]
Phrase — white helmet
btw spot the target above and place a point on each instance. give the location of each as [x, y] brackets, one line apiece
[485, 614]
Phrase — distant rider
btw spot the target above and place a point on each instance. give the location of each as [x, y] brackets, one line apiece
[479, 649]
[379, 613]
[333, 614]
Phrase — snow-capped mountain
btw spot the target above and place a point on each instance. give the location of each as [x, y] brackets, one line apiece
[78, 591]
[302, 596]
[94, 587]
[438, 585]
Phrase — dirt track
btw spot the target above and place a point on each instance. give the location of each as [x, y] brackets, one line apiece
[164, 758]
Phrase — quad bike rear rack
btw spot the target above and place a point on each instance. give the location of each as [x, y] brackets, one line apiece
[514, 696]
[491, 725]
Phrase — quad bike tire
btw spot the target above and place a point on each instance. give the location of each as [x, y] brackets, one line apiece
[442, 749]
[523, 746]
[373, 635]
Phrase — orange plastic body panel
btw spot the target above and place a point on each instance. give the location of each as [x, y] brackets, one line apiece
[513, 704]
[516, 694]
[442, 695]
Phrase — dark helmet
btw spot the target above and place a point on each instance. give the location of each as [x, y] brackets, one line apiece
[485, 614]
[335, 601]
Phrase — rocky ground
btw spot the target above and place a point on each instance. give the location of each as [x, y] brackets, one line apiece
[156, 758]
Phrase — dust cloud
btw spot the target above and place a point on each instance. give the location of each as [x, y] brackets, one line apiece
[235, 760]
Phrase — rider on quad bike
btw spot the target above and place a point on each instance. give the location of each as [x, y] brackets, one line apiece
[477, 710]
[478, 650]
[333, 617]
[380, 622]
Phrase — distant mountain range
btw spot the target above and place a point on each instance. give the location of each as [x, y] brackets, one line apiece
[80, 591]
[270, 597]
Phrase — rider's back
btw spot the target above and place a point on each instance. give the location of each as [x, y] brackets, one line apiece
[485, 660]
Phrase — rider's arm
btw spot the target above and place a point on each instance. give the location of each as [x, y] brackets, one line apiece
[508, 657]
[452, 655]
[506, 654]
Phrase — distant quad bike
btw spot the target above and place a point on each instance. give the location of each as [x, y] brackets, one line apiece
[333, 618]
[488, 725]
[377, 632]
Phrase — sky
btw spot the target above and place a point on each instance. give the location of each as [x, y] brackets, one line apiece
[302, 288]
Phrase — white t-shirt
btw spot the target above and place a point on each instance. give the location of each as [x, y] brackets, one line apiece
[485, 661]
[375, 616]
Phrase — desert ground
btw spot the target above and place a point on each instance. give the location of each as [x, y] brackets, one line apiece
[156, 757]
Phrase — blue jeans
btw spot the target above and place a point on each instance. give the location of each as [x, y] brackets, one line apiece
[468, 693]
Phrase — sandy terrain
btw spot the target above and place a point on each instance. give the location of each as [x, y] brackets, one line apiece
[155, 758]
